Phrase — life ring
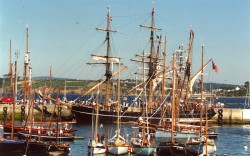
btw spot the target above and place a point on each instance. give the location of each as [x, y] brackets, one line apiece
[4, 108]
[220, 111]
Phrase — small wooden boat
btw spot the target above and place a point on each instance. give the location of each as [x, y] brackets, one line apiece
[58, 148]
[48, 136]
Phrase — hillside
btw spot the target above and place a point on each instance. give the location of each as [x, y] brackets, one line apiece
[81, 86]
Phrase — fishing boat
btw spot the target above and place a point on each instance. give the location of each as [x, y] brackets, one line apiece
[144, 144]
[117, 144]
[10, 147]
[202, 144]
[96, 144]
[13, 146]
[172, 147]
[36, 127]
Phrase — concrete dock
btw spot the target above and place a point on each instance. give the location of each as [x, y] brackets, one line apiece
[232, 116]
[65, 111]
[228, 115]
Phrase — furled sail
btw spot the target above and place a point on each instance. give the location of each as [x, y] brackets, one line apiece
[104, 58]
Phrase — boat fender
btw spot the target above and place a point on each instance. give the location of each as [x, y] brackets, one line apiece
[129, 149]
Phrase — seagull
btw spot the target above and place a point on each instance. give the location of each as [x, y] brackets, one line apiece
[245, 147]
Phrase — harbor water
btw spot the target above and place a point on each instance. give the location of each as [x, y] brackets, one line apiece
[231, 139]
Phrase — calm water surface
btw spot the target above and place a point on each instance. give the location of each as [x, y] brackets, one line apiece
[231, 139]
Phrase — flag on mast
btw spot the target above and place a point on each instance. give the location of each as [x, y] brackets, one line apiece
[215, 68]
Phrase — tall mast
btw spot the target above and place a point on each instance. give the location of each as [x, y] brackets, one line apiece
[173, 102]
[152, 65]
[107, 58]
[26, 60]
[96, 116]
[108, 73]
[11, 89]
[163, 74]
[118, 104]
[144, 105]
[11, 95]
[50, 80]
[17, 53]
[201, 102]
[188, 66]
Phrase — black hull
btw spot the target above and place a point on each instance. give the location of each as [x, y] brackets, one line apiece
[47, 137]
[19, 148]
[169, 149]
[36, 149]
[84, 115]
[12, 148]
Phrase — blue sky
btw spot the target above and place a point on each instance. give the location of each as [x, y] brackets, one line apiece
[62, 34]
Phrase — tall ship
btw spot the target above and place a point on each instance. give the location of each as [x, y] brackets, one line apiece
[153, 81]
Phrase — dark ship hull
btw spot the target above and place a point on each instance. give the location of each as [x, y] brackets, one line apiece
[172, 149]
[11, 148]
[84, 115]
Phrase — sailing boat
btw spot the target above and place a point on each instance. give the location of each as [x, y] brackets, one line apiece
[46, 134]
[144, 145]
[85, 111]
[202, 145]
[130, 114]
[96, 144]
[10, 146]
[172, 147]
[117, 144]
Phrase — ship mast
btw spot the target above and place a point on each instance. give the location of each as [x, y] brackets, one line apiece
[11, 89]
[17, 53]
[186, 80]
[163, 74]
[108, 73]
[173, 116]
[107, 58]
[26, 58]
[152, 65]
[11, 96]
[50, 80]
[202, 102]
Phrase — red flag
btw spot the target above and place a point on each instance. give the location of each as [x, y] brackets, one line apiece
[110, 18]
[215, 68]
[153, 9]
[192, 32]
[27, 86]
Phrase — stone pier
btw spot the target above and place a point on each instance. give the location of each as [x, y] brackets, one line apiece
[232, 116]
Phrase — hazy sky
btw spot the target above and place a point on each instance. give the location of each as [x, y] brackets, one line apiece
[62, 34]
